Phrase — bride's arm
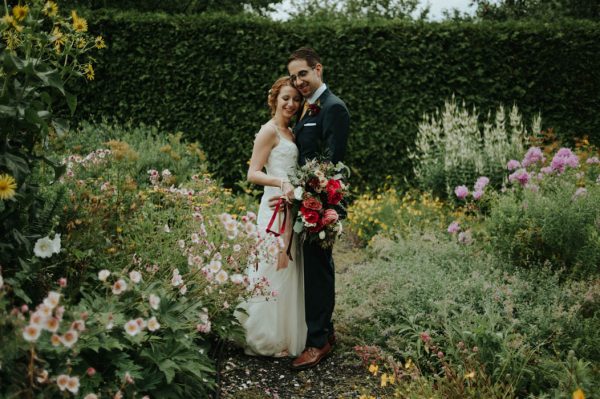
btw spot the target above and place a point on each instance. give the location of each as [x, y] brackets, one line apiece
[264, 142]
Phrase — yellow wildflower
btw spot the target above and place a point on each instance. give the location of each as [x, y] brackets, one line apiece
[470, 375]
[88, 69]
[12, 39]
[81, 42]
[373, 368]
[408, 364]
[8, 19]
[58, 38]
[578, 394]
[100, 42]
[20, 12]
[7, 186]
[79, 24]
[50, 8]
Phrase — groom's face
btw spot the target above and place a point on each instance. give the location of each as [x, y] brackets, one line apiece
[305, 78]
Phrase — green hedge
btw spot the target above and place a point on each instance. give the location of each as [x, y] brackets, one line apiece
[208, 76]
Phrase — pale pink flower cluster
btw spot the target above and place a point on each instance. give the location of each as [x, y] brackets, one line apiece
[68, 383]
[461, 192]
[134, 326]
[521, 176]
[534, 155]
[563, 158]
[204, 325]
[95, 157]
[593, 161]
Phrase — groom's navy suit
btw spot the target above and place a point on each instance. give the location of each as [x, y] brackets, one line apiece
[322, 134]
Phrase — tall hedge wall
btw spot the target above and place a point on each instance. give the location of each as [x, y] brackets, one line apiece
[208, 76]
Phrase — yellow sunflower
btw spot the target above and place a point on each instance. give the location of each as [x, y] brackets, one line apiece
[58, 38]
[20, 12]
[50, 8]
[79, 24]
[100, 42]
[88, 69]
[7, 186]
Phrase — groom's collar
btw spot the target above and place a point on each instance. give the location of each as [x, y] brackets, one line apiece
[313, 99]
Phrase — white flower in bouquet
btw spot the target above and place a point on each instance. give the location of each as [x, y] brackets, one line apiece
[298, 193]
[322, 234]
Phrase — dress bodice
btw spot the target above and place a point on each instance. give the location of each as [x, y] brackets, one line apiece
[283, 158]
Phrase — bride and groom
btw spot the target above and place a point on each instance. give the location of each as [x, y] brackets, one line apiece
[298, 322]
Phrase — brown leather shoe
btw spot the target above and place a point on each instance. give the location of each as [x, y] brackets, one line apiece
[310, 357]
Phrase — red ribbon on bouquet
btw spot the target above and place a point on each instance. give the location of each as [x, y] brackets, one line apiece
[282, 259]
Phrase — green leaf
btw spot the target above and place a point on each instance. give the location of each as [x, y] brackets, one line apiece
[17, 166]
[52, 78]
[168, 367]
[61, 126]
[71, 102]
[10, 112]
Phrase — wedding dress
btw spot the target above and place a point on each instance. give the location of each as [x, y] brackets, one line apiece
[275, 326]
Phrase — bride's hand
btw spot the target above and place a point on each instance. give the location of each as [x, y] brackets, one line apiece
[273, 202]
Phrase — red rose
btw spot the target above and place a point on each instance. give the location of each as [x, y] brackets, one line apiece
[334, 197]
[333, 185]
[309, 215]
[330, 216]
[318, 227]
[312, 203]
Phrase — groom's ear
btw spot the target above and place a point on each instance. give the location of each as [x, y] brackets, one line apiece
[319, 70]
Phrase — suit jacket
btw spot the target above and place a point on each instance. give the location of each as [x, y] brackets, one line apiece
[326, 133]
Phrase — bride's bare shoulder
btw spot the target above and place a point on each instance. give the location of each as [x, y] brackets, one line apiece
[267, 132]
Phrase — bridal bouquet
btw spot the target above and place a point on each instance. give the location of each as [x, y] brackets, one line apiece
[320, 190]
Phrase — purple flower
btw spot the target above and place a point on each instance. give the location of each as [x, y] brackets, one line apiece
[477, 194]
[521, 176]
[546, 170]
[513, 164]
[533, 155]
[592, 160]
[461, 192]
[453, 228]
[564, 157]
[481, 182]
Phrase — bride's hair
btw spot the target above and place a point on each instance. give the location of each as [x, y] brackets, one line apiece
[274, 92]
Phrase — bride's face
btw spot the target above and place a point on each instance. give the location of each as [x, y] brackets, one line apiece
[288, 101]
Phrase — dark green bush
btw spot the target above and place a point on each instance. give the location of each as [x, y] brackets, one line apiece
[208, 75]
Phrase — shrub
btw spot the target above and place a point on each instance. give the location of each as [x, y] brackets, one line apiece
[422, 296]
[451, 148]
[550, 214]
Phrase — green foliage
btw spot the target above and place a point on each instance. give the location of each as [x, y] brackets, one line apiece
[452, 147]
[424, 295]
[40, 51]
[156, 233]
[208, 76]
[549, 10]
[355, 9]
[188, 6]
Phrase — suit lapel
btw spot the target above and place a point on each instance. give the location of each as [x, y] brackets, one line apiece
[300, 124]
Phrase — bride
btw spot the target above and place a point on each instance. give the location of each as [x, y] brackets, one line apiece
[276, 327]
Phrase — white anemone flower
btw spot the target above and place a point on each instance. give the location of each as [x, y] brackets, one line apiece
[62, 381]
[73, 384]
[132, 328]
[119, 287]
[56, 244]
[153, 324]
[43, 248]
[103, 274]
[221, 277]
[154, 301]
[69, 338]
[31, 333]
[135, 276]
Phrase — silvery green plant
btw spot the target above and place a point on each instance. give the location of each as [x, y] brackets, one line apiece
[453, 147]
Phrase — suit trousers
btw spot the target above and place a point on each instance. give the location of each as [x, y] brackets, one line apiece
[319, 293]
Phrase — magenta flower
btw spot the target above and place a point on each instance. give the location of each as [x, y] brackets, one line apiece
[453, 228]
[461, 192]
[521, 176]
[481, 183]
[477, 194]
[513, 164]
[533, 155]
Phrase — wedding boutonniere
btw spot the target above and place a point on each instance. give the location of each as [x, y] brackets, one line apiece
[314, 109]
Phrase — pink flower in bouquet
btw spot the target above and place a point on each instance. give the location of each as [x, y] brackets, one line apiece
[310, 215]
[461, 192]
[330, 216]
[312, 203]
[333, 185]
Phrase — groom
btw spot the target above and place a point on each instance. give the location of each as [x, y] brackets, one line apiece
[322, 130]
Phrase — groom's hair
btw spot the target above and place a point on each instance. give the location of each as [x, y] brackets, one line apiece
[307, 54]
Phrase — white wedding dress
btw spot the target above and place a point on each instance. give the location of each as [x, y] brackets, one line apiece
[276, 326]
